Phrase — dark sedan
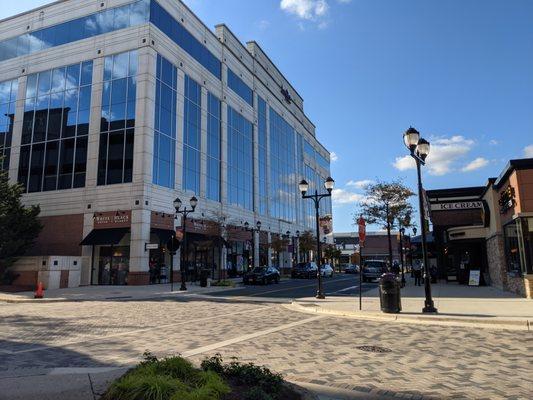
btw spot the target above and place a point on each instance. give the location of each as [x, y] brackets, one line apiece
[351, 269]
[262, 275]
[304, 270]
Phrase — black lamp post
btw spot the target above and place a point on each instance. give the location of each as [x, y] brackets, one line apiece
[253, 230]
[185, 212]
[402, 236]
[329, 184]
[419, 149]
[297, 246]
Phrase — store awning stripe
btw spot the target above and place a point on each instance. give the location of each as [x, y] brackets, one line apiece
[100, 237]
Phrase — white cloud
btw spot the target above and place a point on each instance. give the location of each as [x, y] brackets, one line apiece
[342, 196]
[360, 184]
[305, 9]
[263, 24]
[528, 151]
[444, 154]
[333, 156]
[476, 164]
[494, 142]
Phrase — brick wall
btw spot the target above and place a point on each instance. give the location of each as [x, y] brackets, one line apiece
[61, 236]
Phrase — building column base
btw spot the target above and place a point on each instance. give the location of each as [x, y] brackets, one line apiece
[528, 283]
[138, 278]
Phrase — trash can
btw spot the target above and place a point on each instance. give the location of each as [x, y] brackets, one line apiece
[389, 294]
[204, 274]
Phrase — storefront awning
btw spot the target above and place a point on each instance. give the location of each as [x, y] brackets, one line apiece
[163, 235]
[100, 237]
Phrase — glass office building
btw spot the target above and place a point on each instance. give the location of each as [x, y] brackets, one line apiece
[111, 110]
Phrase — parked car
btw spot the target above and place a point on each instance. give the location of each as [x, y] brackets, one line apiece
[373, 269]
[263, 275]
[326, 271]
[304, 270]
[351, 269]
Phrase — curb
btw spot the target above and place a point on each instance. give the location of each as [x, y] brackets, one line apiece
[480, 322]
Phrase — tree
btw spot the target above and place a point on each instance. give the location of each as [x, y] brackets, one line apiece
[19, 225]
[331, 253]
[383, 203]
[307, 243]
[279, 244]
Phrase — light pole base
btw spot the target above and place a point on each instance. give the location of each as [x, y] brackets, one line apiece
[183, 288]
[429, 309]
[320, 295]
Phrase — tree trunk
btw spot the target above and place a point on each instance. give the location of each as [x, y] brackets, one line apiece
[389, 237]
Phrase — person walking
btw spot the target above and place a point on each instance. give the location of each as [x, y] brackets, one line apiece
[417, 269]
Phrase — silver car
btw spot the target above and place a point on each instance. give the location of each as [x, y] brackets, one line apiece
[373, 269]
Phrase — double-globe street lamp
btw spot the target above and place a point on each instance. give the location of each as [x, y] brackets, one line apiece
[329, 184]
[419, 149]
[185, 212]
[253, 230]
[402, 237]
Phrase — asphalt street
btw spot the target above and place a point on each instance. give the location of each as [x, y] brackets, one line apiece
[339, 285]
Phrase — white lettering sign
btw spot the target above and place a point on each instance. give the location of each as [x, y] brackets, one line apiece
[463, 205]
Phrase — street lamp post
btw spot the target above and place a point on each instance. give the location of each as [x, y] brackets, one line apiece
[329, 184]
[297, 247]
[253, 230]
[419, 149]
[185, 212]
[402, 236]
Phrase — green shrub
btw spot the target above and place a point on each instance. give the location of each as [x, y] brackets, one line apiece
[135, 386]
[257, 393]
[224, 283]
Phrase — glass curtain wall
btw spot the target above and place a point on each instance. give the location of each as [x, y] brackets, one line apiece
[236, 84]
[191, 135]
[240, 160]
[53, 153]
[115, 161]
[8, 98]
[262, 138]
[165, 123]
[213, 147]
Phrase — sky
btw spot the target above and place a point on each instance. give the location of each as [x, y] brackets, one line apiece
[459, 71]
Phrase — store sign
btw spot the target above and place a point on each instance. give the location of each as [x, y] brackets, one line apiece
[507, 199]
[160, 220]
[112, 219]
[461, 205]
[286, 95]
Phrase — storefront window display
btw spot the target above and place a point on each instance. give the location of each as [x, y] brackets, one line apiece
[517, 235]
[114, 265]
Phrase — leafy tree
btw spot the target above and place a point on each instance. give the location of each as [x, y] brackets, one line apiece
[331, 253]
[383, 204]
[19, 226]
[279, 244]
[307, 243]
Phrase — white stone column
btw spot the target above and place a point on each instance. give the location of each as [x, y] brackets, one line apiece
[139, 257]
[180, 110]
[89, 263]
[16, 137]
[268, 177]
[224, 154]
[143, 146]
[256, 156]
[203, 146]
[256, 249]
[94, 124]
[269, 241]
[297, 242]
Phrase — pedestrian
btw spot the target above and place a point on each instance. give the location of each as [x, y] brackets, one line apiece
[417, 269]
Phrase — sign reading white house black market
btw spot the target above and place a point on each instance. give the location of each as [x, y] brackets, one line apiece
[112, 219]
[460, 205]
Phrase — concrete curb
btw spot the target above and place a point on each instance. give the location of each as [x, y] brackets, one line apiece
[468, 321]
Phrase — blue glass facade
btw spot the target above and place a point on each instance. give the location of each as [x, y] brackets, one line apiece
[263, 147]
[165, 123]
[283, 183]
[115, 158]
[81, 28]
[213, 147]
[183, 38]
[236, 84]
[191, 135]
[53, 153]
[8, 98]
[240, 160]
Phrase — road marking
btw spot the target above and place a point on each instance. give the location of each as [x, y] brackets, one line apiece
[292, 288]
[243, 338]
[218, 316]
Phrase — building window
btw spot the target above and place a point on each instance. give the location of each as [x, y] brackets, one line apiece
[8, 98]
[183, 38]
[283, 185]
[213, 147]
[165, 123]
[53, 153]
[527, 228]
[240, 160]
[191, 135]
[236, 84]
[262, 144]
[81, 28]
[115, 160]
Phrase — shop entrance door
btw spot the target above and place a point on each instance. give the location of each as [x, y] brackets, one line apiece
[114, 265]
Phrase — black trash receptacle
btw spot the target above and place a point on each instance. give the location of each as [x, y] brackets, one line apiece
[389, 294]
[204, 274]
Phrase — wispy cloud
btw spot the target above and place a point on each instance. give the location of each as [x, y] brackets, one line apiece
[476, 164]
[343, 196]
[263, 25]
[528, 151]
[444, 155]
[316, 11]
[360, 184]
[333, 156]
[494, 142]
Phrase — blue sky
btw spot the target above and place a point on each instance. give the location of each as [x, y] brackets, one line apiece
[460, 71]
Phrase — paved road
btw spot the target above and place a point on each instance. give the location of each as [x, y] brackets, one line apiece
[436, 362]
[339, 285]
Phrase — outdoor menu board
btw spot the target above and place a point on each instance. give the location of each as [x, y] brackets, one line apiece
[474, 278]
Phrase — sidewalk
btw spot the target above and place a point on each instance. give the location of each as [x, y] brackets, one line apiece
[103, 293]
[457, 305]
